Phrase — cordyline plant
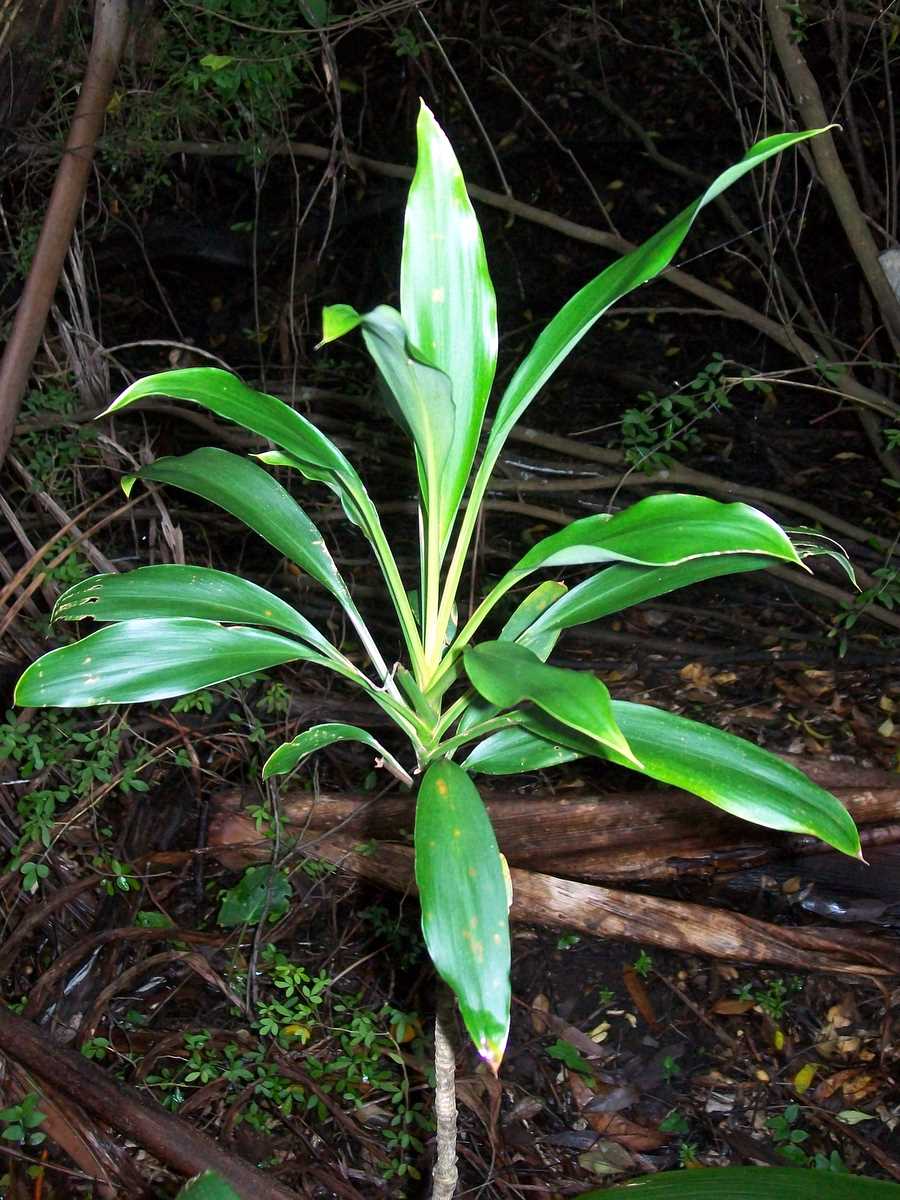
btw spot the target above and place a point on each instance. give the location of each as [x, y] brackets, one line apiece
[468, 707]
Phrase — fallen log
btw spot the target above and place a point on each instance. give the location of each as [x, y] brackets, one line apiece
[623, 836]
[674, 925]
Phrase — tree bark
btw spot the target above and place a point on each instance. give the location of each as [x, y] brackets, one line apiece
[110, 30]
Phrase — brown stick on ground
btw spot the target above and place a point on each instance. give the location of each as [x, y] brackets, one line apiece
[601, 912]
[110, 30]
[185, 1150]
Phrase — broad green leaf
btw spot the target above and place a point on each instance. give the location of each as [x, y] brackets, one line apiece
[446, 295]
[177, 591]
[226, 396]
[465, 909]
[534, 604]
[577, 316]
[156, 659]
[208, 1186]
[506, 673]
[287, 756]
[251, 494]
[749, 1183]
[260, 890]
[623, 584]
[729, 772]
[418, 395]
[659, 531]
[511, 751]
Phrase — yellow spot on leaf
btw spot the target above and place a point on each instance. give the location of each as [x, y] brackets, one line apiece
[437, 295]
[457, 833]
[441, 786]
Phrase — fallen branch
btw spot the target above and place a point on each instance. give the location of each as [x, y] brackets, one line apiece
[540, 899]
[166, 1137]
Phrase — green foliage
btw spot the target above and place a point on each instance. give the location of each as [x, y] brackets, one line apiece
[261, 891]
[666, 425]
[176, 630]
[208, 1186]
[23, 1122]
[352, 1055]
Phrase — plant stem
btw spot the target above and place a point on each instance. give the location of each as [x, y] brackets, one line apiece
[445, 1173]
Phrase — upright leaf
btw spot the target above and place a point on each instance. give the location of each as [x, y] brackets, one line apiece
[154, 660]
[418, 395]
[577, 316]
[465, 904]
[446, 295]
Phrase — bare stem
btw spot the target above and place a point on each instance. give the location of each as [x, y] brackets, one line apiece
[445, 1172]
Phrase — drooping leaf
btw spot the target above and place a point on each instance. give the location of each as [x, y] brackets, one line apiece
[446, 295]
[178, 591]
[623, 584]
[251, 494]
[418, 394]
[156, 659]
[287, 756]
[577, 316]
[728, 771]
[465, 912]
[511, 751]
[315, 455]
[661, 530]
[749, 1183]
[506, 673]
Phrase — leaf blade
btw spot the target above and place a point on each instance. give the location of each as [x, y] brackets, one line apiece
[171, 590]
[465, 909]
[506, 673]
[446, 296]
[289, 754]
[155, 660]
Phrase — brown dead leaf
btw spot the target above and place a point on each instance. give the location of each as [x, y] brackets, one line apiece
[639, 994]
[606, 1158]
[540, 1006]
[699, 677]
[640, 1139]
[732, 1007]
[853, 1083]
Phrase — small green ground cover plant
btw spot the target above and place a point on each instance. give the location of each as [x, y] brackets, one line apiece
[493, 706]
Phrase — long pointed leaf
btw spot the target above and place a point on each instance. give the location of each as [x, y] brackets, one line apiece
[506, 673]
[511, 751]
[287, 756]
[446, 295]
[226, 396]
[465, 905]
[624, 584]
[153, 660]
[577, 316]
[249, 493]
[419, 397]
[177, 591]
[728, 771]
[661, 530]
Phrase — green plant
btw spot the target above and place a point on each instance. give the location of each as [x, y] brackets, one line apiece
[176, 629]
[789, 1140]
[23, 1122]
